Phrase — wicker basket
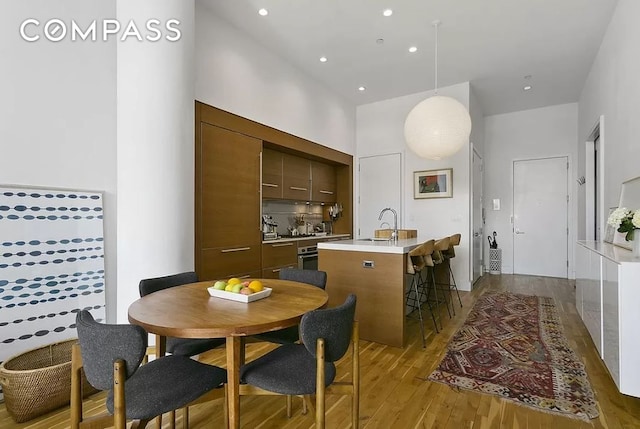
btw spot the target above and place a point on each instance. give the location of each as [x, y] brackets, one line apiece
[38, 381]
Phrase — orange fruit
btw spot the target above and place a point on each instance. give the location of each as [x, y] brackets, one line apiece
[233, 281]
[256, 286]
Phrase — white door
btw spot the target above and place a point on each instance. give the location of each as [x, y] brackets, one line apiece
[540, 208]
[477, 221]
[379, 186]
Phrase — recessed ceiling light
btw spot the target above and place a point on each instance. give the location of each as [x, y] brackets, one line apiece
[413, 49]
[362, 88]
[527, 88]
[387, 12]
[323, 59]
[263, 12]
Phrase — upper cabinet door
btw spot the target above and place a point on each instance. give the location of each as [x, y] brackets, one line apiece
[323, 182]
[296, 179]
[229, 188]
[271, 174]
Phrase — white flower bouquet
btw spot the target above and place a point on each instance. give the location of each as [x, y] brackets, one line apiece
[625, 220]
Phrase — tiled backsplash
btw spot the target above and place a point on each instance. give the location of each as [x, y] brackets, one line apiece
[285, 213]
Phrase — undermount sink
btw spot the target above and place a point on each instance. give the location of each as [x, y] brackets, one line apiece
[373, 239]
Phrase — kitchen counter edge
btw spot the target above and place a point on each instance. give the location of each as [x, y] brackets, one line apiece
[384, 246]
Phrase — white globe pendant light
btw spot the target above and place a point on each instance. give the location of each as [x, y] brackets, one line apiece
[438, 126]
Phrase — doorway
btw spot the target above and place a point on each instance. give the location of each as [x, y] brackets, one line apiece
[540, 217]
[593, 184]
[477, 218]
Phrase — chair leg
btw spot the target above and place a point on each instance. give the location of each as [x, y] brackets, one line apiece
[418, 297]
[355, 405]
[76, 387]
[185, 418]
[289, 406]
[437, 300]
[172, 419]
[119, 407]
[320, 418]
[305, 398]
[455, 286]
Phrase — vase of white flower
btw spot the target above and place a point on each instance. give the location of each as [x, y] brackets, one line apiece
[627, 221]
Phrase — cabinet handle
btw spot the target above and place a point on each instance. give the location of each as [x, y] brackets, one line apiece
[297, 188]
[282, 245]
[237, 249]
[244, 277]
[322, 191]
[270, 185]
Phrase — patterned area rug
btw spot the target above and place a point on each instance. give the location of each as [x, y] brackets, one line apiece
[513, 346]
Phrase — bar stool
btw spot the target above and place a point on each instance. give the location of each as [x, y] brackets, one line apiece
[419, 261]
[438, 258]
[448, 254]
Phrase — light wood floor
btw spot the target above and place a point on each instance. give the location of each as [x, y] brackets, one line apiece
[395, 390]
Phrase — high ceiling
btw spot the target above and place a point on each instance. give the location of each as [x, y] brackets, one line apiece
[493, 44]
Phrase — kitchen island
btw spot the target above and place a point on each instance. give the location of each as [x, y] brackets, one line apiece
[375, 271]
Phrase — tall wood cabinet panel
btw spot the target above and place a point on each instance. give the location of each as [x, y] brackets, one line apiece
[271, 174]
[228, 235]
[296, 178]
[323, 182]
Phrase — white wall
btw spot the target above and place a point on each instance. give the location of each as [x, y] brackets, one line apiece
[613, 90]
[380, 130]
[155, 150]
[58, 110]
[538, 133]
[237, 74]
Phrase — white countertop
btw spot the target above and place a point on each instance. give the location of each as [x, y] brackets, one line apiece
[610, 251]
[377, 246]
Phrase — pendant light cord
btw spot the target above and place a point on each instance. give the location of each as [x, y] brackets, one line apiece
[436, 23]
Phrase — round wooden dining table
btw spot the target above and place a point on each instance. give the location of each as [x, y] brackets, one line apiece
[188, 311]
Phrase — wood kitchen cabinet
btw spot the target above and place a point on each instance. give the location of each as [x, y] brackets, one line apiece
[296, 172]
[271, 174]
[276, 256]
[228, 234]
[323, 182]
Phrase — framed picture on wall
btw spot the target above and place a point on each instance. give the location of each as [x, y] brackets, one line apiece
[433, 183]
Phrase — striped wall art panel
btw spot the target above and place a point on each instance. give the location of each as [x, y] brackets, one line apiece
[51, 265]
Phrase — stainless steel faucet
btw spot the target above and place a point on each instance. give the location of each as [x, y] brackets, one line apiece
[394, 234]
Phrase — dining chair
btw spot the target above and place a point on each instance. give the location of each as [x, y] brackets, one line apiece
[291, 334]
[179, 346]
[309, 367]
[449, 254]
[111, 357]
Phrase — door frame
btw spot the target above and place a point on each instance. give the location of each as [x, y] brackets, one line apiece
[571, 209]
[472, 258]
[356, 194]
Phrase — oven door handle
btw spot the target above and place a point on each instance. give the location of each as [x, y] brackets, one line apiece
[307, 256]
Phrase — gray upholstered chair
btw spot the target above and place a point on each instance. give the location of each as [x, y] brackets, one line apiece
[291, 334]
[308, 368]
[179, 346]
[110, 356]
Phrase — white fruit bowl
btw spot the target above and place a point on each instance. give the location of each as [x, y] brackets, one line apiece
[238, 296]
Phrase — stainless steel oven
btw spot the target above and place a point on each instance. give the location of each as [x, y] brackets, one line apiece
[308, 258]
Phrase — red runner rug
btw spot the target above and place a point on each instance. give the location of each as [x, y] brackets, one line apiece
[514, 346]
